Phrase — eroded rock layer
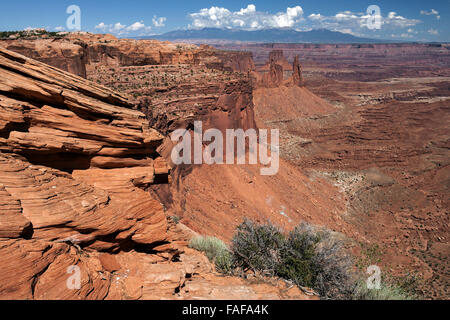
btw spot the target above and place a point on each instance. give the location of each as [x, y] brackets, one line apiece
[80, 53]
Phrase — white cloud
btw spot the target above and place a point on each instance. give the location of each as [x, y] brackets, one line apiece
[159, 22]
[246, 18]
[433, 32]
[101, 26]
[59, 28]
[355, 23]
[349, 31]
[251, 8]
[346, 15]
[136, 26]
[432, 12]
[118, 26]
[122, 29]
[315, 16]
[288, 19]
[429, 13]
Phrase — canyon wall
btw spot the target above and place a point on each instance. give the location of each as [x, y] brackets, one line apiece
[213, 90]
[78, 52]
[77, 164]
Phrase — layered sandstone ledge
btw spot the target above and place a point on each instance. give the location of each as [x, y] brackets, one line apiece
[81, 53]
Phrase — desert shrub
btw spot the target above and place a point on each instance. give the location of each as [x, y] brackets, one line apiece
[386, 292]
[297, 255]
[334, 268]
[216, 251]
[224, 262]
[257, 247]
[211, 246]
[307, 256]
[410, 284]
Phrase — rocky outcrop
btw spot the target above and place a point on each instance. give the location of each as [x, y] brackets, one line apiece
[277, 72]
[55, 127]
[207, 90]
[174, 96]
[64, 55]
[74, 161]
[274, 77]
[237, 61]
[278, 57]
[220, 105]
[172, 83]
[297, 75]
[80, 53]
[63, 121]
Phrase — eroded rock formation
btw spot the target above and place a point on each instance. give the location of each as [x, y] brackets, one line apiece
[297, 75]
[274, 77]
[277, 72]
[53, 124]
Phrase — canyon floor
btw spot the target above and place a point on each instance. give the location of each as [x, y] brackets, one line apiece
[364, 144]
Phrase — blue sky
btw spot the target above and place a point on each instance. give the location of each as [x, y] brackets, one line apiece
[406, 20]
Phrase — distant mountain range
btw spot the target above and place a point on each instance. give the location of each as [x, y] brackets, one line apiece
[265, 35]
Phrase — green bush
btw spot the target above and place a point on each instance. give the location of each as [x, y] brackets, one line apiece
[308, 256]
[297, 255]
[257, 247]
[334, 268]
[216, 251]
[224, 262]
